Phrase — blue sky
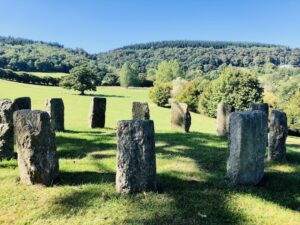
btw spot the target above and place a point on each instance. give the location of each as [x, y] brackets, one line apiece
[98, 25]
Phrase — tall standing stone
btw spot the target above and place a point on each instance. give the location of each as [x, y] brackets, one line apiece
[37, 159]
[136, 163]
[6, 129]
[180, 116]
[22, 103]
[223, 112]
[277, 135]
[247, 145]
[97, 112]
[55, 108]
[140, 111]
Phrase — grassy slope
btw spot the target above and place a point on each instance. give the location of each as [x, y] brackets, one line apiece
[191, 169]
[40, 74]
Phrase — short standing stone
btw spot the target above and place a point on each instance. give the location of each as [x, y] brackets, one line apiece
[277, 135]
[247, 145]
[97, 112]
[6, 129]
[223, 112]
[180, 116]
[22, 103]
[264, 107]
[136, 163]
[37, 159]
[140, 111]
[55, 108]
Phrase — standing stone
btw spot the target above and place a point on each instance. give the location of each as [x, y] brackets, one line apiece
[55, 108]
[223, 112]
[264, 107]
[22, 103]
[140, 111]
[247, 145]
[97, 112]
[6, 129]
[136, 163]
[180, 116]
[277, 135]
[37, 159]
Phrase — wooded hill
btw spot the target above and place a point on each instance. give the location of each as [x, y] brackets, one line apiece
[26, 55]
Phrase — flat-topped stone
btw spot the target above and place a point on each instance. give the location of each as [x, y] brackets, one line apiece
[97, 112]
[37, 159]
[136, 162]
[247, 145]
[180, 117]
[223, 112]
[22, 103]
[277, 135]
[55, 108]
[140, 111]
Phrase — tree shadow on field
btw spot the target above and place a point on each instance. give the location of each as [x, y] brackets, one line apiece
[79, 146]
[102, 96]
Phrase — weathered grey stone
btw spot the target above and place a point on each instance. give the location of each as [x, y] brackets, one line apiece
[247, 145]
[22, 103]
[180, 116]
[55, 108]
[6, 129]
[264, 107]
[223, 112]
[136, 163]
[37, 159]
[97, 112]
[277, 135]
[140, 111]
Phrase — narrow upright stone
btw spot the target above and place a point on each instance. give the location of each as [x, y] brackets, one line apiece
[97, 112]
[223, 112]
[180, 116]
[136, 163]
[277, 135]
[6, 129]
[55, 108]
[247, 145]
[37, 159]
[140, 111]
[22, 103]
[264, 107]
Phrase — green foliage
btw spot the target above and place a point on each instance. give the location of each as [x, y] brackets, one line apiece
[236, 87]
[160, 93]
[293, 113]
[191, 93]
[129, 75]
[28, 78]
[110, 79]
[168, 71]
[82, 78]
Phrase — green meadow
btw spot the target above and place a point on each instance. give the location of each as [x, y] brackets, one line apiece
[191, 169]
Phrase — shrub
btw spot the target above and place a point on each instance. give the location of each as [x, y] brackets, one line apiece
[236, 87]
[191, 93]
[110, 79]
[293, 113]
[160, 93]
[177, 86]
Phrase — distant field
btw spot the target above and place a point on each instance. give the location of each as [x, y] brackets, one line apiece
[191, 169]
[42, 74]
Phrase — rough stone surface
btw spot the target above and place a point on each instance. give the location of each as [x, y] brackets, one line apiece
[22, 103]
[6, 129]
[55, 108]
[140, 111]
[180, 117]
[37, 159]
[97, 112]
[264, 107]
[247, 145]
[136, 162]
[223, 112]
[277, 135]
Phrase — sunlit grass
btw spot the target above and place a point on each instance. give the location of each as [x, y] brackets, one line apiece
[191, 169]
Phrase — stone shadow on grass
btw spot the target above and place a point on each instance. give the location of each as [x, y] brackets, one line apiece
[211, 158]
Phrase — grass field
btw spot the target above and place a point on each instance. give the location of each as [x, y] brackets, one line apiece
[42, 74]
[191, 169]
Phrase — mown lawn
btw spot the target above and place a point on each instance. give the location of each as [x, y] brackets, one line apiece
[42, 74]
[191, 169]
